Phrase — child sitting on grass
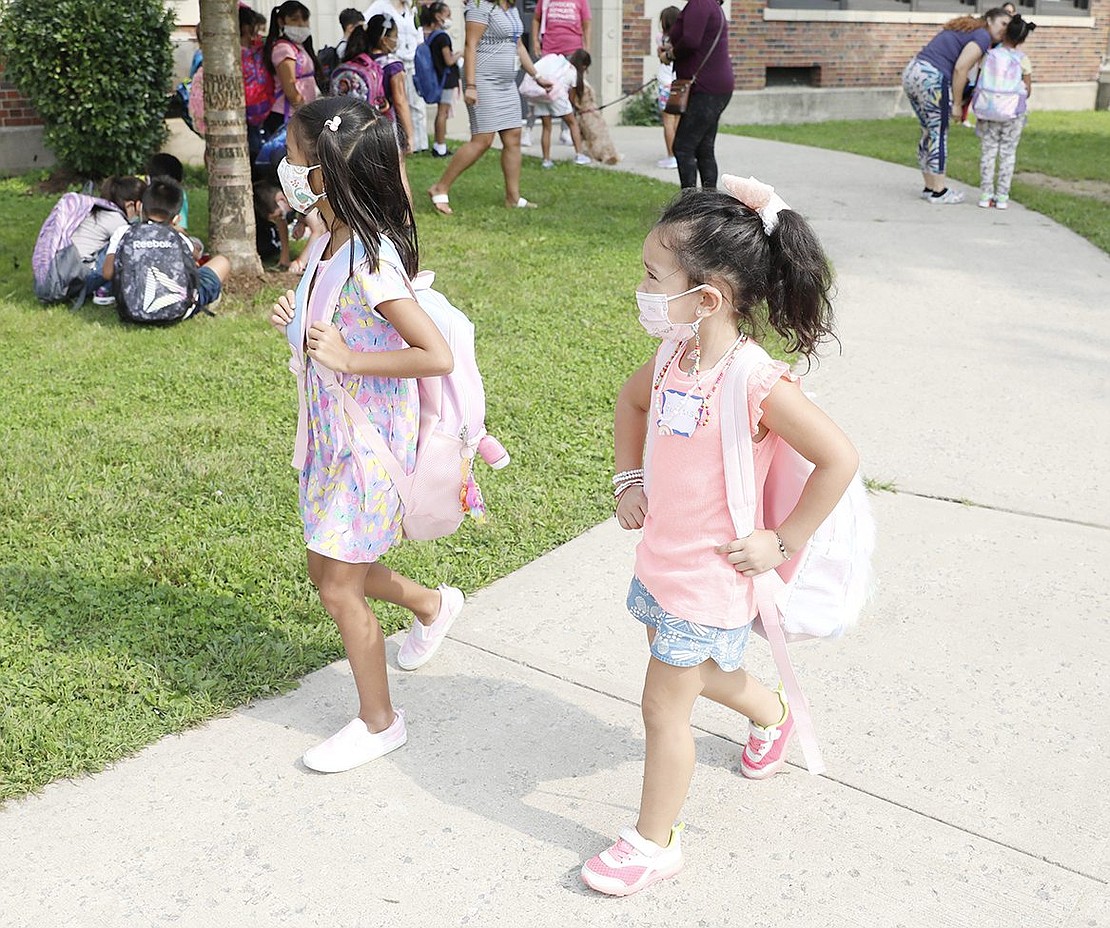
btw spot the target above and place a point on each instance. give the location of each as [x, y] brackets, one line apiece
[162, 205]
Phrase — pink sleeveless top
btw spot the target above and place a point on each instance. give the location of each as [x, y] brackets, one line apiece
[688, 514]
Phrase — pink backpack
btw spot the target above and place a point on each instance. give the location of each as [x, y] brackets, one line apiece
[441, 490]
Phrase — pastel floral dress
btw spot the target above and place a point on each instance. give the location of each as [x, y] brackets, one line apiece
[350, 508]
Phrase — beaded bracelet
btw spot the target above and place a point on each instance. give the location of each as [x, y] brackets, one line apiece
[627, 479]
[782, 547]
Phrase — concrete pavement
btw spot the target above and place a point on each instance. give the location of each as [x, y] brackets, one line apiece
[962, 723]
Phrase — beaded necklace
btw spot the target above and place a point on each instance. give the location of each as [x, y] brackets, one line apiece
[703, 412]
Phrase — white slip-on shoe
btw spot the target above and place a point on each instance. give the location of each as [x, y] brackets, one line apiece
[354, 744]
[423, 641]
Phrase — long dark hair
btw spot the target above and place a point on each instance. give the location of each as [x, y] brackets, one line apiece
[287, 9]
[361, 166]
[377, 28]
[713, 235]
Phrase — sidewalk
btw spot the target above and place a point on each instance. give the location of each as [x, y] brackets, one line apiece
[961, 724]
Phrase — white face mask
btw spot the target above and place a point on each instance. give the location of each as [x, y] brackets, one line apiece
[656, 322]
[295, 186]
[447, 24]
[298, 34]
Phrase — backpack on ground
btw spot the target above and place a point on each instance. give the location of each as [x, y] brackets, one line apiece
[441, 490]
[57, 266]
[155, 280]
[428, 83]
[362, 78]
[1000, 93]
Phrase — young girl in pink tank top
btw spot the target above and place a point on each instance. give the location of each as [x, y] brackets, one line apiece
[713, 265]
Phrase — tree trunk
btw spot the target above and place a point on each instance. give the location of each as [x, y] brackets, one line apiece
[231, 229]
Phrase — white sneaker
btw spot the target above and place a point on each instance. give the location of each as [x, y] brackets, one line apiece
[547, 163]
[354, 744]
[671, 162]
[633, 863]
[526, 138]
[951, 195]
[582, 158]
[565, 136]
[423, 640]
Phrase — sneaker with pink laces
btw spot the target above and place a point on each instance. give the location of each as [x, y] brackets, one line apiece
[765, 753]
[633, 863]
[423, 640]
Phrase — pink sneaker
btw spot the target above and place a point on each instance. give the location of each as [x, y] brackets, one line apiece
[765, 753]
[633, 863]
[423, 640]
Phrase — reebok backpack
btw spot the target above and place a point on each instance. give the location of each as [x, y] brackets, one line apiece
[362, 78]
[156, 280]
[428, 83]
[1000, 93]
[57, 266]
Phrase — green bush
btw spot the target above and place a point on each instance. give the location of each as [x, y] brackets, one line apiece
[97, 73]
[642, 109]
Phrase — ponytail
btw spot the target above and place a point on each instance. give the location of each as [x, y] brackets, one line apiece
[798, 304]
[713, 236]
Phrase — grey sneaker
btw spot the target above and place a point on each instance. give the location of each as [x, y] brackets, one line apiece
[951, 195]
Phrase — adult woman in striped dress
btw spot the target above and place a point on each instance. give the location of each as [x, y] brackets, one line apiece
[494, 51]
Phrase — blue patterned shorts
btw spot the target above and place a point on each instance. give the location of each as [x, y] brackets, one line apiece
[686, 644]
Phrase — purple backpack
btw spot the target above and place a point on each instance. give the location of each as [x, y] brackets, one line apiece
[59, 271]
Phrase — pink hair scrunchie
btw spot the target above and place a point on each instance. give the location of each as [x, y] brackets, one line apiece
[757, 196]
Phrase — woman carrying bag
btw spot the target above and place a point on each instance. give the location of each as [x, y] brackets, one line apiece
[701, 90]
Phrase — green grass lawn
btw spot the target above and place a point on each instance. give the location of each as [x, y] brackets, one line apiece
[1071, 146]
[151, 562]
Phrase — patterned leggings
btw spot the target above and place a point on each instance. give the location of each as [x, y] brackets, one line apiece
[930, 95]
[1000, 142]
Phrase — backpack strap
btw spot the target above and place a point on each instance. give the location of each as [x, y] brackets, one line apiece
[351, 413]
[767, 586]
[736, 444]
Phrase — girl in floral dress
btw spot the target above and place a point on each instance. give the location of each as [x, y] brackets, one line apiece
[359, 339]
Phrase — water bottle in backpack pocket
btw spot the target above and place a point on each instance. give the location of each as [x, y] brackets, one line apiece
[156, 280]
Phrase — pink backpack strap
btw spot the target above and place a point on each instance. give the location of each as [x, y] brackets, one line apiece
[766, 585]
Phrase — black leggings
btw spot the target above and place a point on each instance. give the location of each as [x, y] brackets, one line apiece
[695, 138]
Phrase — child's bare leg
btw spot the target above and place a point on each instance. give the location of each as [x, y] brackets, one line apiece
[220, 266]
[342, 592]
[441, 123]
[545, 138]
[670, 126]
[740, 691]
[669, 694]
[392, 587]
[575, 132]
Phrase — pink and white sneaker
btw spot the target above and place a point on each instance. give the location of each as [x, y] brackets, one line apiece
[354, 744]
[633, 863]
[765, 753]
[423, 640]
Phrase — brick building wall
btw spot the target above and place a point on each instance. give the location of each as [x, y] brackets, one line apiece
[15, 109]
[856, 54]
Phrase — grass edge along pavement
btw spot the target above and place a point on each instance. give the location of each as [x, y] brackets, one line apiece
[152, 569]
[1066, 145]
